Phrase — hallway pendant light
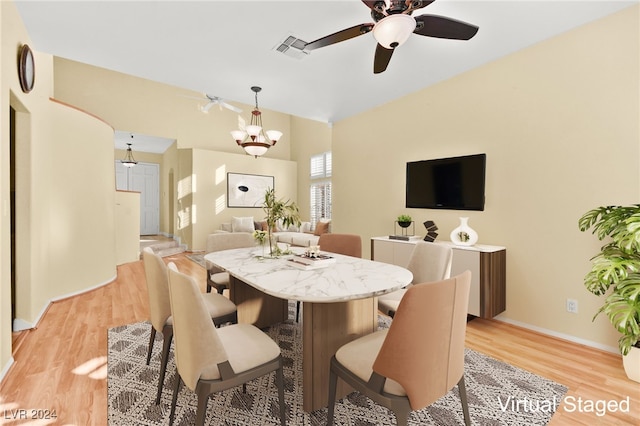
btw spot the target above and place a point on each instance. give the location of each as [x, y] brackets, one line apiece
[128, 160]
[253, 138]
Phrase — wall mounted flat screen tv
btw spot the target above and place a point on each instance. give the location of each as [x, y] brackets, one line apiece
[455, 183]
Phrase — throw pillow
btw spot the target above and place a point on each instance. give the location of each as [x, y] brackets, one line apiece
[305, 227]
[242, 224]
[293, 228]
[321, 228]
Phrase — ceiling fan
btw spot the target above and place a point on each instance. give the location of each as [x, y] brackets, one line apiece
[392, 26]
[215, 100]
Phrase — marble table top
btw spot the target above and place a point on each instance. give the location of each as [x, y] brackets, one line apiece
[348, 278]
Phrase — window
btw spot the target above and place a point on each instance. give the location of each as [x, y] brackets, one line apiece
[320, 195]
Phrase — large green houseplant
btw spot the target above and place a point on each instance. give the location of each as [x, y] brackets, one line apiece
[278, 210]
[615, 271]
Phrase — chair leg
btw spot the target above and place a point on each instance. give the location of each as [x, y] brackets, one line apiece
[280, 384]
[220, 289]
[462, 389]
[151, 340]
[167, 332]
[402, 417]
[176, 391]
[209, 282]
[298, 311]
[203, 398]
[333, 382]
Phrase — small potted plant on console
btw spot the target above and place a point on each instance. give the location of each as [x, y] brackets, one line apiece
[404, 220]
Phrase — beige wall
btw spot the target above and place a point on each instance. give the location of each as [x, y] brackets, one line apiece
[559, 124]
[133, 104]
[127, 226]
[64, 191]
[311, 138]
[184, 196]
[137, 105]
[168, 191]
[210, 170]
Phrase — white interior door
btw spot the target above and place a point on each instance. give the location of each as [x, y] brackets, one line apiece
[145, 179]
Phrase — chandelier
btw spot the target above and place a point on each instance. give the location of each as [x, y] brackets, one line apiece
[128, 160]
[253, 138]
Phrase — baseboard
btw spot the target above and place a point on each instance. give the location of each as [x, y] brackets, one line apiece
[85, 290]
[562, 336]
[20, 324]
[6, 368]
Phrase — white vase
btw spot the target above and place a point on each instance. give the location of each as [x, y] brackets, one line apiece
[631, 362]
[464, 235]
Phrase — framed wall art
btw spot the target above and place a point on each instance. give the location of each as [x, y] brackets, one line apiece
[247, 190]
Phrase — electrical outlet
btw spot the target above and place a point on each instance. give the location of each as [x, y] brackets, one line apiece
[572, 306]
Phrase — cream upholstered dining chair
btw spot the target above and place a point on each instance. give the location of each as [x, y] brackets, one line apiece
[221, 310]
[347, 244]
[211, 360]
[419, 359]
[428, 262]
[224, 241]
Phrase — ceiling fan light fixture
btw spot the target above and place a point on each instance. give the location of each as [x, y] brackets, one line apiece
[253, 139]
[394, 30]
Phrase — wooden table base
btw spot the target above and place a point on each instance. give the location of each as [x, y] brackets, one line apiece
[326, 327]
[256, 307]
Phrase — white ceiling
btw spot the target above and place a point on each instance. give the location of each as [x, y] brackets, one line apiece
[141, 143]
[225, 47]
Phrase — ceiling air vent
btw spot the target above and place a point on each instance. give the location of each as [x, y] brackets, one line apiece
[292, 47]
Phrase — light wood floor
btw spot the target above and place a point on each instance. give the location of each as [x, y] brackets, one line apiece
[61, 365]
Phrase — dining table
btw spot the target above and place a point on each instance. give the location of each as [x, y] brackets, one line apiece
[338, 303]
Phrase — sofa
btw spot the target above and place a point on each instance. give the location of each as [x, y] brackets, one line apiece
[301, 236]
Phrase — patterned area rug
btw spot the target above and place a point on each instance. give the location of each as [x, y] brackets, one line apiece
[493, 388]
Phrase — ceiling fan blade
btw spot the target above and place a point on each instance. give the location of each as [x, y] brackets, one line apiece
[207, 107]
[230, 107]
[343, 35]
[382, 58]
[371, 3]
[441, 27]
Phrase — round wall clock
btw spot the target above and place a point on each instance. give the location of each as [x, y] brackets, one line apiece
[26, 68]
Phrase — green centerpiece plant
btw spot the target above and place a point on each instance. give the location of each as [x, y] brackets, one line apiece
[278, 210]
[615, 271]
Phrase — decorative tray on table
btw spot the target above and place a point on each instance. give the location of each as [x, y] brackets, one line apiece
[303, 261]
